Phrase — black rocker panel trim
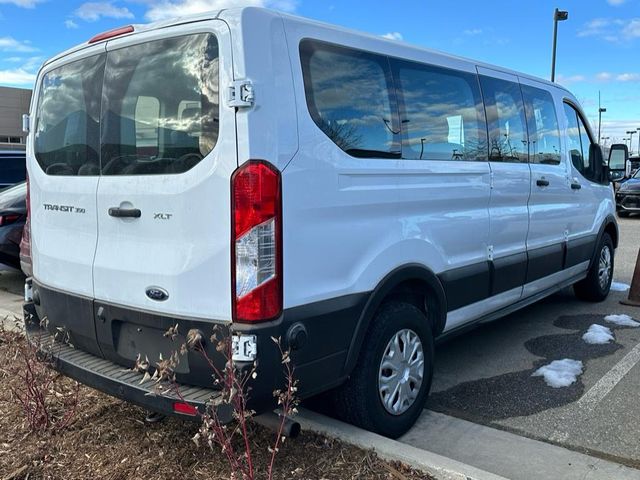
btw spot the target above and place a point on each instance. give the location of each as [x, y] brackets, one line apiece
[508, 273]
[545, 261]
[580, 250]
[466, 285]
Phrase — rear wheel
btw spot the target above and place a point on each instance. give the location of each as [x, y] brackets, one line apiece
[595, 287]
[391, 380]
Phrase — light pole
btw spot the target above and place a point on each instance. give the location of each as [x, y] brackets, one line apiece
[638, 129]
[601, 110]
[558, 16]
[631, 133]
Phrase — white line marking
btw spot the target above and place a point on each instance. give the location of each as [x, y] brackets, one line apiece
[603, 386]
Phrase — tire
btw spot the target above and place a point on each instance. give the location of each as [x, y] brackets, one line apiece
[360, 400]
[623, 214]
[592, 289]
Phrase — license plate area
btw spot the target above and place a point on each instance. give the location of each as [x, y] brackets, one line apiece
[135, 339]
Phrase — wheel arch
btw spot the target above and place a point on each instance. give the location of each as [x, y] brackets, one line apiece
[414, 283]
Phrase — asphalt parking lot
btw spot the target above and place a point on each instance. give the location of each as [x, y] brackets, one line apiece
[485, 378]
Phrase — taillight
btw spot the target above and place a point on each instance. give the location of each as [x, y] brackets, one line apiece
[256, 204]
[25, 243]
[8, 219]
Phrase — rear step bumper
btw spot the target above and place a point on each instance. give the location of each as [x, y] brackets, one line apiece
[114, 379]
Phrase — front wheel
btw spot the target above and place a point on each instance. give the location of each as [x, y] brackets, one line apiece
[595, 287]
[389, 385]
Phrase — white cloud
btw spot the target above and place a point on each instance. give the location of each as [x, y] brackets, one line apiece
[93, 11]
[163, 9]
[10, 44]
[393, 36]
[612, 30]
[473, 31]
[567, 80]
[628, 77]
[22, 3]
[70, 24]
[604, 76]
[17, 76]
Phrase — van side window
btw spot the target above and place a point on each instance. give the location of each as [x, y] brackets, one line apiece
[441, 113]
[544, 135]
[578, 142]
[160, 106]
[349, 98]
[508, 140]
[67, 131]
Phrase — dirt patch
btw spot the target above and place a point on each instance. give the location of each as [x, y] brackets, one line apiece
[109, 440]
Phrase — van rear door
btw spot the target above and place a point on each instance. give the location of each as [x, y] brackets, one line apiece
[63, 159]
[163, 200]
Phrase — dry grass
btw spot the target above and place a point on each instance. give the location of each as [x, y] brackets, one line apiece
[109, 440]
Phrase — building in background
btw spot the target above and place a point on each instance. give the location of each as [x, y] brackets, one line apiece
[14, 102]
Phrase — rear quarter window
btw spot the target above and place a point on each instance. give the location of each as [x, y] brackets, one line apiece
[349, 98]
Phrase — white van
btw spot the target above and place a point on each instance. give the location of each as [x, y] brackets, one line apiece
[278, 177]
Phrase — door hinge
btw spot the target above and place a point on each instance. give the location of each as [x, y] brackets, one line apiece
[490, 253]
[240, 94]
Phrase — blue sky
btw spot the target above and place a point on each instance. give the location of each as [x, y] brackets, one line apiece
[597, 45]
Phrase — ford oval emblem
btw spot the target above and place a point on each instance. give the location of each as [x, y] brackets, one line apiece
[158, 294]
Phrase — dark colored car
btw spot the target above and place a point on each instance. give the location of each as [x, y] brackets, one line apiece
[635, 164]
[628, 196]
[13, 215]
[13, 167]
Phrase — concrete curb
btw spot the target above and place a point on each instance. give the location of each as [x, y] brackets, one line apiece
[442, 468]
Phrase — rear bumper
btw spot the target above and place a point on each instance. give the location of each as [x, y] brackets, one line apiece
[107, 339]
[114, 379]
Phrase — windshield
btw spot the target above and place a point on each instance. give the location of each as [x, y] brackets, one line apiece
[150, 108]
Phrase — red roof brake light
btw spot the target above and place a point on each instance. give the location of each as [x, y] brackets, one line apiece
[112, 33]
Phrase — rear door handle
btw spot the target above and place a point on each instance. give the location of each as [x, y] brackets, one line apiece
[541, 182]
[576, 186]
[125, 212]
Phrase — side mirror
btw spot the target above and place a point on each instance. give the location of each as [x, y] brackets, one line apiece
[618, 159]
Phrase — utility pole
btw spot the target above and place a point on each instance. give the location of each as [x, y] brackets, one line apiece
[558, 16]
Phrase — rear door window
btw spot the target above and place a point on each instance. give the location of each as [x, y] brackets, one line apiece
[160, 106]
[67, 137]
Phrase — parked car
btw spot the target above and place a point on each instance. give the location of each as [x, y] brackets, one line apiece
[635, 164]
[13, 167]
[628, 196]
[13, 214]
[345, 193]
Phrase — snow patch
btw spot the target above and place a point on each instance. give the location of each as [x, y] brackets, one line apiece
[619, 287]
[598, 335]
[560, 373]
[623, 320]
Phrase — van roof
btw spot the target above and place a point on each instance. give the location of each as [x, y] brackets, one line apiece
[237, 12]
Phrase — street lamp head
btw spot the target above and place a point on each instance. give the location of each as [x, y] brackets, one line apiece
[602, 110]
[561, 15]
